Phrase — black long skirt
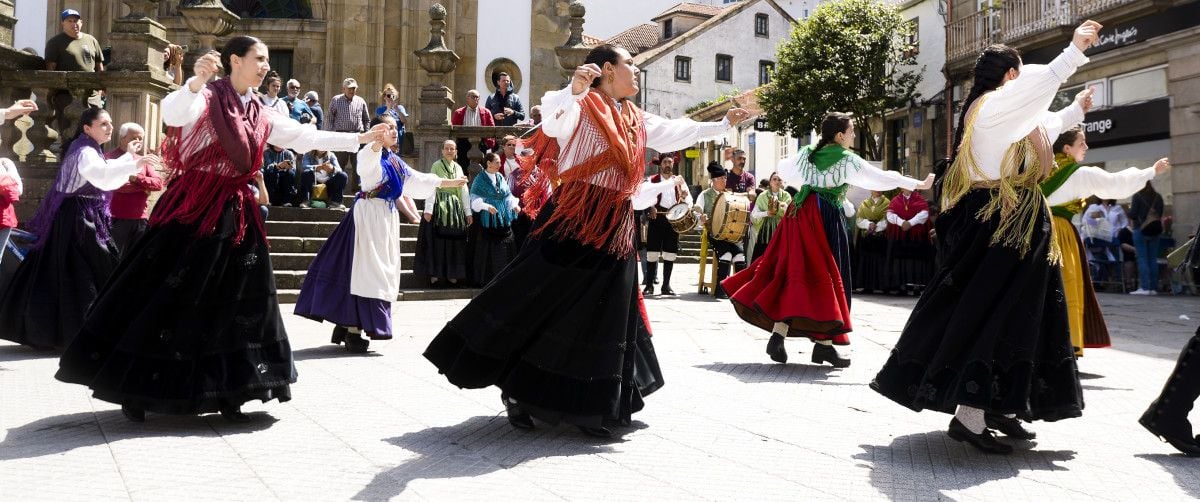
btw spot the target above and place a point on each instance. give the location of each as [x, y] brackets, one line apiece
[45, 304]
[559, 330]
[870, 262]
[990, 330]
[909, 263]
[491, 250]
[186, 324]
[439, 256]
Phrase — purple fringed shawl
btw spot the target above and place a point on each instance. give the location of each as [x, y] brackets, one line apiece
[92, 200]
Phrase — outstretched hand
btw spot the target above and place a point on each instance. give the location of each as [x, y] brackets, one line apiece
[927, 183]
[1084, 98]
[1087, 34]
[21, 107]
[1163, 165]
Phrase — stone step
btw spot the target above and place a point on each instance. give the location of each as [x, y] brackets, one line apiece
[301, 261]
[300, 228]
[285, 244]
[410, 295]
[280, 213]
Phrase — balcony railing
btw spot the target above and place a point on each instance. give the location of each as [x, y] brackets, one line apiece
[1015, 20]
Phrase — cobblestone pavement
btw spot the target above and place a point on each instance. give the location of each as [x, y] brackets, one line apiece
[729, 425]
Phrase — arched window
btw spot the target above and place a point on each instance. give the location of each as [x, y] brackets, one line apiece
[288, 9]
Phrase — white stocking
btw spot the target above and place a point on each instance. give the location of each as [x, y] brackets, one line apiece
[780, 328]
[971, 418]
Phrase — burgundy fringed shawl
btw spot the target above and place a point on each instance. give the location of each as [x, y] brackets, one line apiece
[215, 162]
[605, 154]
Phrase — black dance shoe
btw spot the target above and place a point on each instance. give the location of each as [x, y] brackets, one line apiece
[339, 335]
[1010, 427]
[234, 414]
[985, 441]
[133, 413]
[596, 432]
[517, 417]
[648, 290]
[775, 348]
[1172, 433]
[356, 344]
[827, 354]
[667, 291]
[721, 294]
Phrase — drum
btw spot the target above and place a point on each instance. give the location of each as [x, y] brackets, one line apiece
[682, 218]
[731, 217]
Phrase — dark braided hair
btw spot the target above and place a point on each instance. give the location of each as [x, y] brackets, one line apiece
[831, 125]
[600, 54]
[1067, 137]
[991, 66]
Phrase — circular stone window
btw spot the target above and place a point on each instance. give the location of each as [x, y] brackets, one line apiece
[492, 73]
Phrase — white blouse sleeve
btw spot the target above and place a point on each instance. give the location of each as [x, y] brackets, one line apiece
[105, 174]
[419, 185]
[893, 218]
[1057, 122]
[1091, 180]
[756, 213]
[848, 209]
[873, 178]
[367, 163]
[648, 192]
[668, 135]
[288, 133]
[477, 204]
[513, 202]
[9, 168]
[920, 218]
[560, 113]
[789, 171]
[1013, 110]
[182, 107]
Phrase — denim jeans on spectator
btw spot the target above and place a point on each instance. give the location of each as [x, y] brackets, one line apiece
[334, 186]
[1147, 260]
[281, 185]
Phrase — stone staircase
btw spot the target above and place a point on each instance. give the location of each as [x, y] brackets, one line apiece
[689, 248]
[297, 234]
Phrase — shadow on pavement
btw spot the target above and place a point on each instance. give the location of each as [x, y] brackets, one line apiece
[479, 446]
[1185, 469]
[923, 466]
[327, 352]
[60, 434]
[10, 353]
[777, 373]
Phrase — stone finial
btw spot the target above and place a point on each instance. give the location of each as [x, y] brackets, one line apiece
[437, 59]
[574, 51]
[141, 9]
[208, 19]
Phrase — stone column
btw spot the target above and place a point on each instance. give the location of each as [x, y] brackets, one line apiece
[7, 22]
[1183, 85]
[208, 19]
[138, 40]
[433, 116]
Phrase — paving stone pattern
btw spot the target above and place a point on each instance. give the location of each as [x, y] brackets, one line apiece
[729, 425]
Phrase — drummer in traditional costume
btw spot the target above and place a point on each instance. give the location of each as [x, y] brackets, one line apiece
[801, 286]
[561, 330]
[769, 208]
[189, 322]
[728, 252]
[356, 275]
[909, 251]
[662, 241]
[1065, 190]
[988, 340]
[870, 243]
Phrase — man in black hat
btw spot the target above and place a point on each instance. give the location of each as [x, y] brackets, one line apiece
[505, 105]
[727, 253]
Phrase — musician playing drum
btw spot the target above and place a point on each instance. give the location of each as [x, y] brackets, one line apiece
[662, 241]
[728, 253]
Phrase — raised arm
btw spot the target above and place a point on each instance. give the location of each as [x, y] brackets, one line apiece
[863, 174]
[1091, 180]
[668, 135]
[105, 174]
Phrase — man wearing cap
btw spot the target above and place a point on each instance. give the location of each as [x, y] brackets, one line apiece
[505, 105]
[313, 100]
[73, 50]
[348, 113]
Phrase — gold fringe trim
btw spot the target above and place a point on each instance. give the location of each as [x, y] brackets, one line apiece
[1016, 196]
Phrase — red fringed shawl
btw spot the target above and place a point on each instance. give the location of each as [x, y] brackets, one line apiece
[906, 209]
[215, 162]
[604, 156]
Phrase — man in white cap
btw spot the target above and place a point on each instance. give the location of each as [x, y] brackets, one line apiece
[348, 113]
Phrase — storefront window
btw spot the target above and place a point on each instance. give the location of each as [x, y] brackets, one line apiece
[1139, 86]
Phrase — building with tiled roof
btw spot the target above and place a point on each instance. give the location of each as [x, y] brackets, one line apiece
[637, 39]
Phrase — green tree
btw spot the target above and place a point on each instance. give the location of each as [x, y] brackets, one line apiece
[849, 56]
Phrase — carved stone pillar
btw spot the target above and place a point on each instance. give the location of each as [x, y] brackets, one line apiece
[138, 40]
[436, 98]
[208, 19]
[574, 51]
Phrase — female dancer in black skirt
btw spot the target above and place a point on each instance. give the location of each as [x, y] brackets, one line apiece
[560, 330]
[74, 254]
[189, 322]
[988, 339]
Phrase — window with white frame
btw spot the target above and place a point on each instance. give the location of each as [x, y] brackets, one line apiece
[1136, 86]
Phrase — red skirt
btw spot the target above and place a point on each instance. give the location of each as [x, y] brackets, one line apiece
[796, 281]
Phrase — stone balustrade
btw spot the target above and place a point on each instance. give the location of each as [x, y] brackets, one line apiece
[430, 139]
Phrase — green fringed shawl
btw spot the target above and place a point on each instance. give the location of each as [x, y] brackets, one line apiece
[1065, 167]
[826, 169]
[762, 203]
[449, 206]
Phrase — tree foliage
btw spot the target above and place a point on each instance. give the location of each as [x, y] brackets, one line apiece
[848, 56]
